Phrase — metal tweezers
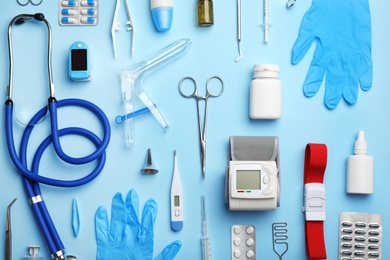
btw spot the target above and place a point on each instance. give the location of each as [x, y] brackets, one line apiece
[8, 233]
[116, 26]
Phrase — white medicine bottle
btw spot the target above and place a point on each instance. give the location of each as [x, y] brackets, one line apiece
[265, 92]
[360, 168]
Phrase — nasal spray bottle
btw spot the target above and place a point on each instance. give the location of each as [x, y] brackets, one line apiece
[162, 13]
[360, 168]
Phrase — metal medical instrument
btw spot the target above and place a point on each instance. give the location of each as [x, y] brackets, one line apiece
[206, 245]
[149, 168]
[8, 232]
[26, 2]
[116, 26]
[202, 125]
[279, 237]
[31, 176]
[239, 29]
[176, 199]
[290, 3]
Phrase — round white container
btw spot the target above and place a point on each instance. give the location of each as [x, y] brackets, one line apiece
[266, 92]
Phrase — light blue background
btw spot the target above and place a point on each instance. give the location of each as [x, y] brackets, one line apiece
[213, 52]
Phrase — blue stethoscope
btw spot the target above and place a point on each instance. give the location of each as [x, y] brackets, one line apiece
[31, 177]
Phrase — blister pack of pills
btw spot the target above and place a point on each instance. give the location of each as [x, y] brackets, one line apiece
[78, 12]
[243, 240]
[360, 236]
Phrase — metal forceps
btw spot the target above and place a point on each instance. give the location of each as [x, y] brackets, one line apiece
[26, 2]
[202, 125]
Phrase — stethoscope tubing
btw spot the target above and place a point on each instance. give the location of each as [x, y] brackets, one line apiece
[54, 130]
[31, 178]
[54, 138]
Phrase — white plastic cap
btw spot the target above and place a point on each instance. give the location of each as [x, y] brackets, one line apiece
[160, 3]
[360, 144]
[266, 71]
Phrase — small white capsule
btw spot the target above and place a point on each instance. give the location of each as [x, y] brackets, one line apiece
[88, 20]
[69, 3]
[68, 20]
[88, 3]
[88, 11]
[68, 11]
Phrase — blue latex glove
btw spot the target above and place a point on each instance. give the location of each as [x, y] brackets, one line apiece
[343, 52]
[127, 237]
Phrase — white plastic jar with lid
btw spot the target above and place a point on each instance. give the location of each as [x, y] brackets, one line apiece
[266, 92]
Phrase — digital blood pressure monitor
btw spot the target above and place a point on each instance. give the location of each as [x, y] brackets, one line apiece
[252, 185]
[252, 176]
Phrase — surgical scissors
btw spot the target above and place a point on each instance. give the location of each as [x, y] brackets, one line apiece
[29, 1]
[202, 126]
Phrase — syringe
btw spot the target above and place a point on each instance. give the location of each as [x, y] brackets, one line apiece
[206, 246]
[266, 21]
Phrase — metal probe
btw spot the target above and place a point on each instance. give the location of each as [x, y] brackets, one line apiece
[8, 233]
[239, 29]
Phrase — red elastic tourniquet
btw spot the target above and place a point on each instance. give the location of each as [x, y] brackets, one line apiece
[315, 164]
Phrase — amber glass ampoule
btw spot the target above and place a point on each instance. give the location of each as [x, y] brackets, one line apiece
[205, 13]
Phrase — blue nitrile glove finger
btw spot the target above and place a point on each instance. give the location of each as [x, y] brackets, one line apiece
[109, 247]
[335, 84]
[362, 67]
[307, 34]
[112, 238]
[102, 226]
[316, 73]
[118, 218]
[170, 251]
[142, 236]
[343, 53]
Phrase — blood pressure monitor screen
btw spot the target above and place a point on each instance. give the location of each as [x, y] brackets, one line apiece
[248, 180]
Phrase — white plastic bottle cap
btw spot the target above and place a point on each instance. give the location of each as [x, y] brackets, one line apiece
[266, 71]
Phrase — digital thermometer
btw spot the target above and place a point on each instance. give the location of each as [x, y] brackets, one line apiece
[176, 199]
[79, 62]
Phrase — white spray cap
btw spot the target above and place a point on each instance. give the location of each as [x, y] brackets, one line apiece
[360, 144]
